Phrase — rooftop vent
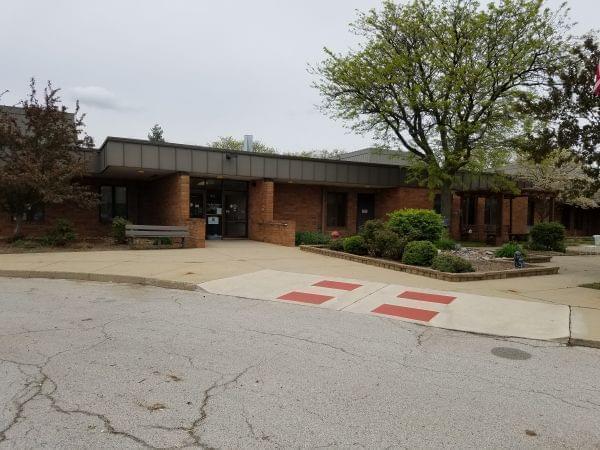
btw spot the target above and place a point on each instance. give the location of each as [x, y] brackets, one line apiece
[248, 143]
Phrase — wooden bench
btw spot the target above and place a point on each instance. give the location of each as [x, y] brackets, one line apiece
[155, 231]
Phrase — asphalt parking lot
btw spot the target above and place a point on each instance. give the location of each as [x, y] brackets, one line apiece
[92, 365]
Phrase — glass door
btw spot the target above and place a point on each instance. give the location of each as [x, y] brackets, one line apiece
[214, 214]
[235, 217]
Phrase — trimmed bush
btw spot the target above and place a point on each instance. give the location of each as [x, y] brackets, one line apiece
[417, 224]
[508, 250]
[61, 234]
[387, 244]
[118, 230]
[419, 253]
[370, 227]
[548, 236]
[355, 245]
[447, 262]
[311, 238]
[337, 245]
[445, 244]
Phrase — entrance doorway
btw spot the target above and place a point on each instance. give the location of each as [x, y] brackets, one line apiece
[224, 205]
[365, 204]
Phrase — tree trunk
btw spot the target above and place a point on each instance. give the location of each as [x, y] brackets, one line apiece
[446, 204]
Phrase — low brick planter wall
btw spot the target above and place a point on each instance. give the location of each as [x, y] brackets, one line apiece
[427, 272]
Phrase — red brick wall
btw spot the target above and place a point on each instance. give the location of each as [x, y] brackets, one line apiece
[262, 226]
[86, 221]
[301, 203]
[388, 200]
[166, 201]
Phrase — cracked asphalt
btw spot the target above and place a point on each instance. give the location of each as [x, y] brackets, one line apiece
[92, 365]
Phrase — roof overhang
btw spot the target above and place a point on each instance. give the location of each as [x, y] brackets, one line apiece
[127, 157]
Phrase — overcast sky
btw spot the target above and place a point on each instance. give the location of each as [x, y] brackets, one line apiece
[199, 68]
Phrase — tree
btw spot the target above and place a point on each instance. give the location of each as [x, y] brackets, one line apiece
[322, 154]
[231, 143]
[561, 173]
[42, 157]
[439, 79]
[156, 134]
[567, 115]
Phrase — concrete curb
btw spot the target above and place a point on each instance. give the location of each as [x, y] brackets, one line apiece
[427, 272]
[105, 278]
[183, 285]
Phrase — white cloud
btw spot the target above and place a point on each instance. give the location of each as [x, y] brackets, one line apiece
[99, 97]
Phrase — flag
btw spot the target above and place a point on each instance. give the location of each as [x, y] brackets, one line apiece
[597, 84]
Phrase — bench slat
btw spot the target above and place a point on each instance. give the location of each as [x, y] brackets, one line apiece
[155, 227]
[157, 234]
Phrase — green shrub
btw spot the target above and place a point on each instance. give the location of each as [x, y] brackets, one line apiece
[163, 241]
[447, 262]
[445, 244]
[419, 253]
[118, 229]
[370, 227]
[508, 250]
[387, 244]
[356, 245]
[25, 243]
[311, 238]
[417, 224]
[548, 236]
[336, 244]
[61, 234]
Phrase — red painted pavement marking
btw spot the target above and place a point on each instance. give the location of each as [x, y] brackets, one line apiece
[338, 285]
[423, 315]
[305, 297]
[445, 299]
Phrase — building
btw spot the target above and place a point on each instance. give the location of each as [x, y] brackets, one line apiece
[233, 194]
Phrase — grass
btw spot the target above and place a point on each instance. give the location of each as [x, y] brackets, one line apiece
[591, 285]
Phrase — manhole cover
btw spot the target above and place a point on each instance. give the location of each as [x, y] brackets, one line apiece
[510, 353]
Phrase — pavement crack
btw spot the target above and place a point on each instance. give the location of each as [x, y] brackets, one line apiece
[310, 341]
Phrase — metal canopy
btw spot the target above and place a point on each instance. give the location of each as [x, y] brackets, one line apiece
[210, 162]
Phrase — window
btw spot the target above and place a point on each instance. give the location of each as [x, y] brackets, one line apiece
[113, 202]
[579, 219]
[336, 209]
[491, 211]
[530, 212]
[468, 212]
[33, 213]
[437, 203]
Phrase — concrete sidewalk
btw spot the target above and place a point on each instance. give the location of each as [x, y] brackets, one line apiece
[223, 259]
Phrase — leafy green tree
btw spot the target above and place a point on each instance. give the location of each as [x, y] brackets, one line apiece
[440, 79]
[567, 115]
[231, 143]
[42, 156]
[156, 134]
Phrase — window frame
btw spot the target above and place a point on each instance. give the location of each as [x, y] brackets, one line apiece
[30, 215]
[490, 215]
[113, 188]
[336, 196]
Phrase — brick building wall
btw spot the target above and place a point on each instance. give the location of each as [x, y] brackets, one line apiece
[388, 200]
[166, 201]
[262, 224]
[300, 203]
[86, 221]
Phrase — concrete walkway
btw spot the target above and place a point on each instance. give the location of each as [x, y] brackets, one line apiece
[224, 259]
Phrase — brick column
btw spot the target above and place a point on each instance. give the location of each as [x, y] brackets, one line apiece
[261, 226]
[167, 202]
